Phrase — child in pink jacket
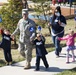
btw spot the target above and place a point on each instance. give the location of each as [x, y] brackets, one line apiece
[70, 44]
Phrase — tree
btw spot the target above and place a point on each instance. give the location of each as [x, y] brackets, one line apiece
[11, 13]
[25, 4]
[42, 7]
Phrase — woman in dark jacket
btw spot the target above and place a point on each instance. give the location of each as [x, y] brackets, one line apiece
[57, 23]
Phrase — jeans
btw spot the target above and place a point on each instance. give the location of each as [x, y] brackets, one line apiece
[57, 43]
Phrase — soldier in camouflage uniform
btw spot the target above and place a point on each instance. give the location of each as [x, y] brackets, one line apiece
[25, 45]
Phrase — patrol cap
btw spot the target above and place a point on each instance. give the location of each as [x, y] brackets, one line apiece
[24, 11]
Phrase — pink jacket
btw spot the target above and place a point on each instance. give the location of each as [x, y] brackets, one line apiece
[69, 39]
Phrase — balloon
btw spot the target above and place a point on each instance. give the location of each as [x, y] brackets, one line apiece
[39, 28]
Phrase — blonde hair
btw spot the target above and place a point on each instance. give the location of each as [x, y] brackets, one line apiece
[71, 31]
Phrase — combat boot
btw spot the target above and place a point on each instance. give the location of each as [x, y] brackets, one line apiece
[27, 66]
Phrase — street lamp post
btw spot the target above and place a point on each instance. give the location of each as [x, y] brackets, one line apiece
[25, 4]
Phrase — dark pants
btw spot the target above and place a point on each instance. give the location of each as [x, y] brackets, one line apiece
[57, 43]
[7, 52]
[38, 61]
[7, 55]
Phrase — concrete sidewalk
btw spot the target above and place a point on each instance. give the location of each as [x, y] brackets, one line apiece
[56, 65]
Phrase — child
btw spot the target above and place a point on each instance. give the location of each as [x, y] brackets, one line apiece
[40, 51]
[6, 45]
[70, 44]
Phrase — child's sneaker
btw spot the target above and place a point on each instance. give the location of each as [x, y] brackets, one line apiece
[67, 62]
[36, 69]
[47, 66]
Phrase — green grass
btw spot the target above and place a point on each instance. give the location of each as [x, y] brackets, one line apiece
[15, 55]
[68, 72]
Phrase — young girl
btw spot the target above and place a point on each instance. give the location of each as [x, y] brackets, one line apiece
[6, 45]
[70, 44]
[40, 51]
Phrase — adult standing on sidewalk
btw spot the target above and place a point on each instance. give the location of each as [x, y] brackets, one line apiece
[57, 23]
[25, 45]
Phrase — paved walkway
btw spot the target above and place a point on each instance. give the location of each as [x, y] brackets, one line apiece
[56, 65]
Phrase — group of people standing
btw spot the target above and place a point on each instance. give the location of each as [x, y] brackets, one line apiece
[27, 29]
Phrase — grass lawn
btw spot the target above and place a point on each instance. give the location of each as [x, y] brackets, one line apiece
[68, 72]
[49, 46]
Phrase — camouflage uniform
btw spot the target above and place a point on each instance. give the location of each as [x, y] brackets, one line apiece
[25, 46]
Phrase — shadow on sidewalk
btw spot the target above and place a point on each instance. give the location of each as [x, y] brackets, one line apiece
[50, 69]
[42, 68]
[17, 65]
[55, 69]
